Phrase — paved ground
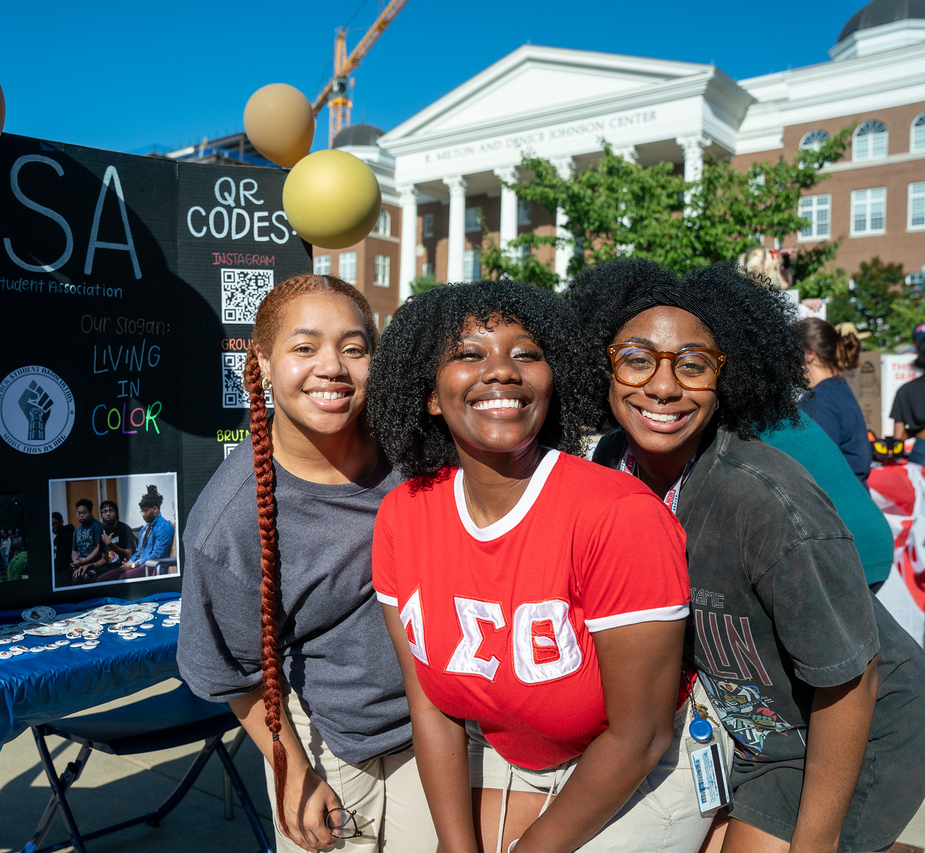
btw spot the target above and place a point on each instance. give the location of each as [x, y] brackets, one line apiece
[113, 789]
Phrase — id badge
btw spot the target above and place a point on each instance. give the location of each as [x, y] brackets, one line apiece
[710, 778]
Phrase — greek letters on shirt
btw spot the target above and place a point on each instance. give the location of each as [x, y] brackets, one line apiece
[542, 645]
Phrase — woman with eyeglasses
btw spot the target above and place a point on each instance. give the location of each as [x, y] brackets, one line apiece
[531, 593]
[280, 619]
[817, 684]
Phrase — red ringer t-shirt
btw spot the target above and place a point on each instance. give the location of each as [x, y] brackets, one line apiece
[500, 619]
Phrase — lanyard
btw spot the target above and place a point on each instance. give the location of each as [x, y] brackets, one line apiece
[628, 464]
[700, 728]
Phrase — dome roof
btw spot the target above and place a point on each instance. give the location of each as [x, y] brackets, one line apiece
[879, 12]
[362, 134]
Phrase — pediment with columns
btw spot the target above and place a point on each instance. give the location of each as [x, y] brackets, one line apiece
[556, 102]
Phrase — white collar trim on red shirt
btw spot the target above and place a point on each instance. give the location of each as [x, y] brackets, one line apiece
[517, 514]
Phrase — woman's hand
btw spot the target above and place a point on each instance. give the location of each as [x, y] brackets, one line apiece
[641, 723]
[307, 801]
[307, 797]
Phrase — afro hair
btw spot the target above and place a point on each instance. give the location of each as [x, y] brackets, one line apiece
[760, 384]
[422, 335]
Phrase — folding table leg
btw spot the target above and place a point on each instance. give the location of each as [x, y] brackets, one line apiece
[246, 802]
[155, 817]
[58, 803]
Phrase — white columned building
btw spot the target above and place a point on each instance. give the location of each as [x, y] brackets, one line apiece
[408, 199]
[457, 227]
[562, 106]
[565, 169]
[508, 229]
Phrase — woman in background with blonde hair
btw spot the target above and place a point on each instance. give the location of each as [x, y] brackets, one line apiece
[831, 403]
[280, 617]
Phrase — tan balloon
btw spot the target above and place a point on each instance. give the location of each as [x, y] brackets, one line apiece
[332, 199]
[279, 122]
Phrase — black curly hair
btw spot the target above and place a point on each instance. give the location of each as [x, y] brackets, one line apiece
[423, 333]
[760, 384]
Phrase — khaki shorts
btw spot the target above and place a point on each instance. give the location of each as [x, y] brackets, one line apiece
[391, 810]
[662, 813]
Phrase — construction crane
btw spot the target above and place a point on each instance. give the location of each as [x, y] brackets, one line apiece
[335, 94]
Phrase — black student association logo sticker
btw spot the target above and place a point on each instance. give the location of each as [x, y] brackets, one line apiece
[36, 409]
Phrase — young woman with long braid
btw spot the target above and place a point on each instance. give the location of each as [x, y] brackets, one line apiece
[280, 617]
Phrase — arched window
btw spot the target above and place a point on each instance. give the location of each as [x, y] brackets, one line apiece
[870, 141]
[917, 134]
[814, 139]
[384, 223]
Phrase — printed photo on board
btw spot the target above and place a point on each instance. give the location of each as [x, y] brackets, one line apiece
[108, 530]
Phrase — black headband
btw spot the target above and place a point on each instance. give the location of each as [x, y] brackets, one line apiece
[675, 298]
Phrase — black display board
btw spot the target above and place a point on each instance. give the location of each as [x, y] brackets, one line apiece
[128, 287]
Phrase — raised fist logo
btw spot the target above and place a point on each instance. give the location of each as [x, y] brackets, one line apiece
[36, 406]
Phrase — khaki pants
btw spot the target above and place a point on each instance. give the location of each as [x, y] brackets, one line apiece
[391, 810]
[661, 814]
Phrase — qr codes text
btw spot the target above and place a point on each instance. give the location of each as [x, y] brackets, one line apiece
[242, 292]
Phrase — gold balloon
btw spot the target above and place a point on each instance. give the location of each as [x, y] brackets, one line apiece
[279, 122]
[332, 199]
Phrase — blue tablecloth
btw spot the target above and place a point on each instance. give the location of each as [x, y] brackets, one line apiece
[40, 688]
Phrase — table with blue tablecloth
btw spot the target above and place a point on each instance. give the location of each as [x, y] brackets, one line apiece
[38, 688]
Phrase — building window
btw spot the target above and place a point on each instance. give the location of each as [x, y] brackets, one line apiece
[428, 225]
[472, 269]
[473, 215]
[347, 266]
[817, 209]
[381, 278]
[322, 265]
[917, 206]
[917, 135]
[870, 141]
[427, 269]
[376, 320]
[867, 212]
[523, 212]
[521, 253]
[388, 319]
[916, 280]
[384, 224]
[814, 139]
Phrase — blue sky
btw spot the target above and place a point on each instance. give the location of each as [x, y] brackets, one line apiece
[127, 76]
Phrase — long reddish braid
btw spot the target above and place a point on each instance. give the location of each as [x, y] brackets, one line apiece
[267, 325]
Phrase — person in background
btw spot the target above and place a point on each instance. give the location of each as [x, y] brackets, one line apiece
[118, 541]
[773, 267]
[154, 540]
[85, 550]
[62, 543]
[6, 543]
[808, 443]
[831, 403]
[908, 411]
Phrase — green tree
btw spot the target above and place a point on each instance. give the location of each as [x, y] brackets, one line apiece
[882, 303]
[424, 282]
[617, 208]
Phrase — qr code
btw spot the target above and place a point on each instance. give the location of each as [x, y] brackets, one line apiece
[242, 292]
[233, 395]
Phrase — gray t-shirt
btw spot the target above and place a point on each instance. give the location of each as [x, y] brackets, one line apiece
[337, 655]
[779, 602]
